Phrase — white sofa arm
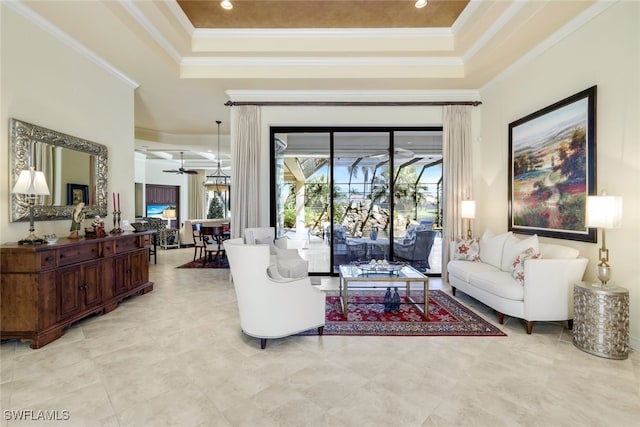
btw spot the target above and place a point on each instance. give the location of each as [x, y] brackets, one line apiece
[548, 287]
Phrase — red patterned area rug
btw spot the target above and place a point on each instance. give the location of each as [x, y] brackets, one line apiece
[366, 316]
[220, 262]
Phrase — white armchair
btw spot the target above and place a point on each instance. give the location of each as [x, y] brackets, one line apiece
[286, 256]
[268, 307]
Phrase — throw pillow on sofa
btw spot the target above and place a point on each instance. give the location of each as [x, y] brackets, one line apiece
[491, 247]
[514, 247]
[467, 250]
[517, 271]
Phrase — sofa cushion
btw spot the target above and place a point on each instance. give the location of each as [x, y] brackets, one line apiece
[514, 247]
[464, 269]
[467, 250]
[549, 250]
[498, 283]
[491, 247]
[518, 264]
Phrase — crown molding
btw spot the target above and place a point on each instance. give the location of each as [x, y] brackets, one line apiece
[28, 13]
[180, 16]
[307, 40]
[151, 29]
[352, 95]
[507, 16]
[466, 15]
[268, 61]
[341, 33]
[321, 67]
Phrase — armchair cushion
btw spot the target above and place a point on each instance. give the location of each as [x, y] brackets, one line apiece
[292, 268]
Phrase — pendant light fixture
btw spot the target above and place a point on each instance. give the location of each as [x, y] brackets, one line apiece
[218, 181]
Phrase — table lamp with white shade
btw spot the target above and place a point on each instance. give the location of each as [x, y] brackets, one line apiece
[169, 214]
[468, 211]
[32, 183]
[604, 212]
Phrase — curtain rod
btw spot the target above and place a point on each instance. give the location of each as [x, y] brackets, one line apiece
[350, 103]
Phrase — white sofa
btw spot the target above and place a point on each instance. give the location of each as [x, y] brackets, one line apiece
[271, 307]
[537, 289]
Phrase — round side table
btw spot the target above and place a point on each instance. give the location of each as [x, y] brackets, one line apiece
[601, 320]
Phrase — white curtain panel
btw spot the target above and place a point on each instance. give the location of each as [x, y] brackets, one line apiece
[196, 208]
[245, 157]
[458, 174]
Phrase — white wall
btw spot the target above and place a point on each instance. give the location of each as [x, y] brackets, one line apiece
[604, 52]
[47, 83]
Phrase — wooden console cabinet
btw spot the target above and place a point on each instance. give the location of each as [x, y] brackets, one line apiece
[45, 288]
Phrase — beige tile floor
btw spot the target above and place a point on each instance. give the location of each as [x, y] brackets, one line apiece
[176, 356]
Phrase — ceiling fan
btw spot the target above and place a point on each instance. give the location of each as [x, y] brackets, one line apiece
[182, 169]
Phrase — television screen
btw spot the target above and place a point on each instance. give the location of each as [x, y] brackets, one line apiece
[155, 211]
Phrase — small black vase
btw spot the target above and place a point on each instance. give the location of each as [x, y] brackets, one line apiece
[395, 300]
[387, 300]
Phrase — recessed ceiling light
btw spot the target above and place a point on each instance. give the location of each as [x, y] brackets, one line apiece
[226, 4]
[421, 3]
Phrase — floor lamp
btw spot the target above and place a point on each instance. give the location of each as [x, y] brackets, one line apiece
[468, 212]
[604, 212]
[31, 183]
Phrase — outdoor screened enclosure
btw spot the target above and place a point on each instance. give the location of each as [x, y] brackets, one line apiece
[349, 194]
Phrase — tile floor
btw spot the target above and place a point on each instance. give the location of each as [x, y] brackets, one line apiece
[176, 356]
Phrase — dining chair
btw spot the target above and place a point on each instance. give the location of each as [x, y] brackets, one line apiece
[212, 237]
[215, 236]
[199, 243]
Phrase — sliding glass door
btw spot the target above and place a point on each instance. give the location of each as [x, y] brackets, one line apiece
[362, 204]
[347, 194]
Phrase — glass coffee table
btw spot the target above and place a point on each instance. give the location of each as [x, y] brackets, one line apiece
[354, 273]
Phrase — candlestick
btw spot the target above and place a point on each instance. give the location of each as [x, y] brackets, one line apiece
[115, 207]
[119, 202]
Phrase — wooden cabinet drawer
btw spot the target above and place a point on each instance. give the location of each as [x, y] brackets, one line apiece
[48, 259]
[77, 253]
[147, 240]
[127, 243]
[108, 248]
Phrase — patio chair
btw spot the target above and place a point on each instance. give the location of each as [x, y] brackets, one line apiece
[417, 249]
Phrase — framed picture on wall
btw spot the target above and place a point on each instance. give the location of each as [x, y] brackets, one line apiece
[77, 193]
[552, 169]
